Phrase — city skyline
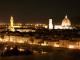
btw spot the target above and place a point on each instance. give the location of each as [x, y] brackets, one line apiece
[53, 21]
[40, 30]
[40, 11]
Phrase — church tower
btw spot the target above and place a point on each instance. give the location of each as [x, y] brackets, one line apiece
[50, 24]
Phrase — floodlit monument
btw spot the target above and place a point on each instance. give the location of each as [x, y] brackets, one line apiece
[11, 26]
[66, 24]
[50, 24]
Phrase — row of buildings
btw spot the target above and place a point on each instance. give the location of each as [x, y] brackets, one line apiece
[66, 24]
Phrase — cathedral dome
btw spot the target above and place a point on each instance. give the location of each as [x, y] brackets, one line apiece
[66, 22]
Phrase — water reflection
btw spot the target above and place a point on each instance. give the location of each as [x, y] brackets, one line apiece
[55, 55]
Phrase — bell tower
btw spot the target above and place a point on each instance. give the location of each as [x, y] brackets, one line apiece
[50, 24]
[11, 26]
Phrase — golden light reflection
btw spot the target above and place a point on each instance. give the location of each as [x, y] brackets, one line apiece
[56, 45]
[20, 49]
[20, 41]
[46, 26]
[11, 48]
[43, 44]
[71, 46]
[5, 48]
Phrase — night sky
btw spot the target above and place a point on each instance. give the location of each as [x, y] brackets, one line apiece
[39, 11]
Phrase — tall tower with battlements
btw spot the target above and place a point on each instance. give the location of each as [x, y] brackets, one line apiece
[11, 26]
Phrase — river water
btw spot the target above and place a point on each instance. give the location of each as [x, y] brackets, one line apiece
[50, 56]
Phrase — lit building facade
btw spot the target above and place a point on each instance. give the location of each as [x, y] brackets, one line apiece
[50, 24]
[66, 24]
[11, 26]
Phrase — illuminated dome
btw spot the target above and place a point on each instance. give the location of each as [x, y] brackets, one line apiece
[66, 22]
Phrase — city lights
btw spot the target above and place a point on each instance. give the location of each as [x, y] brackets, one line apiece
[71, 46]
[5, 48]
[56, 45]
[40, 35]
[20, 49]
[40, 30]
[11, 48]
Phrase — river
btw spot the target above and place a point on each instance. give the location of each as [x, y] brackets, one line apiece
[57, 55]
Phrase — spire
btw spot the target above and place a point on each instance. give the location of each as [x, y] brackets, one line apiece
[11, 18]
